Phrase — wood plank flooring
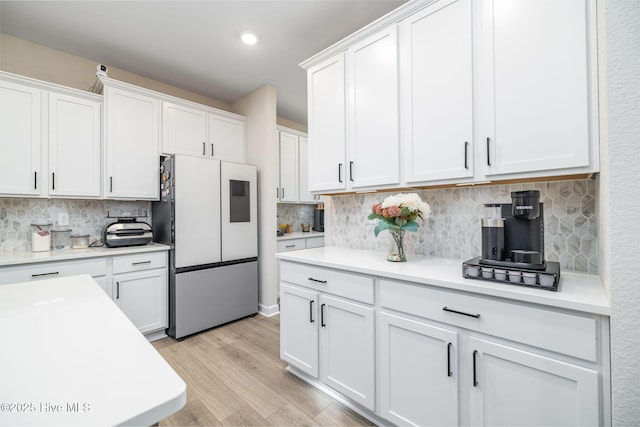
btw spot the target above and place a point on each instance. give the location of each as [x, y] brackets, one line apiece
[235, 377]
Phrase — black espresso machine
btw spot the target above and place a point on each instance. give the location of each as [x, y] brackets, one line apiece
[513, 245]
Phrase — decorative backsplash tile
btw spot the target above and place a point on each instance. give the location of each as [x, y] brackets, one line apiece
[85, 217]
[453, 229]
[296, 214]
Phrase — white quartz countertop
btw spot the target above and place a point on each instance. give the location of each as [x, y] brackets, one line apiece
[580, 292]
[300, 235]
[71, 357]
[67, 254]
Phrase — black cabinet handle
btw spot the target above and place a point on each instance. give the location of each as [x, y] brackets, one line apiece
[449, 373]
[466, 155]
[316, 280]
[351, 171]
[475, 377]
[477, 316]
[282, 193]
[53, 180]
[35, 180]
[488, 151]
[110, 184]
[212, 150]
[339, 172]
[311, 319]
[53, 273]
[141, 262]
[290, 246]
[204, 148]
[117, 290]
[322, 315]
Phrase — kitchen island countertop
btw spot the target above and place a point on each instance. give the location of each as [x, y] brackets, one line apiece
[580, 292]
[73, 358]
[301, 235]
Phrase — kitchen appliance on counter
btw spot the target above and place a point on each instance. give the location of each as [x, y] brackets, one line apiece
[207, 213]
[513, 245]
[318, 219]
[126, 231]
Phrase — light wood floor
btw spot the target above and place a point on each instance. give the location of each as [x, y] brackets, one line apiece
[235, 377]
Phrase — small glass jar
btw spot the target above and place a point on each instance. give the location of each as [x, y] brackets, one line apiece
[41, 237]
[61, 239]
[79, 241]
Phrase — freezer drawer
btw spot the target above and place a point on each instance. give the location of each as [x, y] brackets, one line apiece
[206, 298]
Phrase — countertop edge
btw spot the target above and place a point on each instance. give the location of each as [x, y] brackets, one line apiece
[21, 258]
[578, 292]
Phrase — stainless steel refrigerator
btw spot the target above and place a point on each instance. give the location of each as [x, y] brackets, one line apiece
[208, 214]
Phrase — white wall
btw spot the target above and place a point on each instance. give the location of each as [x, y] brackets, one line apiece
[619, 201]
[262, 150]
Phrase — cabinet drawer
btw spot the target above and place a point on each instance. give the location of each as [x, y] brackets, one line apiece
[335, 282]
[144, 261]
[315, 242]
[290, 245]
[565, 333]
[48, 270]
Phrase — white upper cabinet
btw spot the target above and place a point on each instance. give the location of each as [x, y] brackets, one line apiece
[288, 167]
[202, 132]
[227, 138]
[74, 146]
[327, 125]
[537, 81]
[353, 117]
[303, 184]
[184, 130]
[469, 91]
[437, 92]
[372, 113]
[294, 160]
[19, 140]
[132, 121]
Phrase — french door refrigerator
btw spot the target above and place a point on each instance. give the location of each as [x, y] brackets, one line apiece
[208, 214]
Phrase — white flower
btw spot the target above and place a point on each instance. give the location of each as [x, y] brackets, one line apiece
[395, 200]
[411, 201]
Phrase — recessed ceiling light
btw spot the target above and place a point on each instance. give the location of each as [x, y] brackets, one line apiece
[249, 38]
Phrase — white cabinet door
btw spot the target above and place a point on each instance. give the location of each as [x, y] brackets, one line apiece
[372, 114]
[436, 75]
[418, 372]
[347, 349]
[132, 123]
[516, 387]
[227, 139]
[74, 146]
[184, 130]
[537, 79]
[303, 171]
[142, 297]
[327, 125]
[19, 140]
[288, 167]
[299, 328]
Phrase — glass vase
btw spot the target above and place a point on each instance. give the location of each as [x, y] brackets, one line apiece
[397, 250]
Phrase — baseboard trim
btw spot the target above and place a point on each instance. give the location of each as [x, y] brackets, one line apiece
[268, 311]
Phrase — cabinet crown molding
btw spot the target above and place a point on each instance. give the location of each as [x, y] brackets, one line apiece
[50, 87]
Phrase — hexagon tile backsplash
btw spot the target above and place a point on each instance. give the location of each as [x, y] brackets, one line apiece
[453, 229]
[85, 217]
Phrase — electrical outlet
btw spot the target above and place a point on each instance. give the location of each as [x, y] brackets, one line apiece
[63, 218]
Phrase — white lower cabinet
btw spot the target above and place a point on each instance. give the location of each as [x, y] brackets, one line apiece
[418, 380]
[346, 348]
[140, 289]
[327, 329]
[413, 354]
[514, 387]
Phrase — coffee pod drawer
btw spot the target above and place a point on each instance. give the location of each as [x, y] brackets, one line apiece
[547, 279]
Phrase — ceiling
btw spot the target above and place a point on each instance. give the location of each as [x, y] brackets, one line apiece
[195, 45]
